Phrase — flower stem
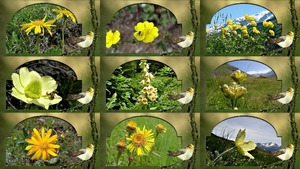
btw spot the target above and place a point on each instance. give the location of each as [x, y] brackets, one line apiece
[226, 151]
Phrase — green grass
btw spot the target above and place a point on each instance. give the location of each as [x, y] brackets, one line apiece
[255, 100]
[157, 156]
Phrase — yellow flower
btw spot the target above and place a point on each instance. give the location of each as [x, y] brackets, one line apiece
[160, 128]
[253, 23]
[265, 24]
[229, 22]
[238, 76]
[233, 91]
[31, 88]
[246, 16]
[255, 30]
[121, 145]
[39, 26]
[250, 18]
[272, 33]
[42, 145]
[141, 142]
[234, 32]
[131, 126]
[64, 12]
[145, 32]
[245, 32]
[270, 24]
[244, 28]
[112, 38]
[230, 27]
[244, 147]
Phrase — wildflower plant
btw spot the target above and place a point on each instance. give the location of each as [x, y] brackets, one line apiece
[236, 38]
[139, 144]
[148, 93]
[40, 28]
[233, 92]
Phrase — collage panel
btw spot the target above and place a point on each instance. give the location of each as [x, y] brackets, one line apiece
[254, 28]
[247, 139]
[151, 84]
[147, 140]
[152, 28]
[48, 29]
[47, 140]
[248, 84]
[39, 84]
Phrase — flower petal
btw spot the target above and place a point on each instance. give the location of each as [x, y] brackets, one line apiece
[48, 85]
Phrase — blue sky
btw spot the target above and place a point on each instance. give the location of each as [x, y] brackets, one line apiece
[238, 10]
[250, 66]
[257, 130]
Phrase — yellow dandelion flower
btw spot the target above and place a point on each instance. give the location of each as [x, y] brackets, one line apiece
[131, 126]
[112, 38]
[39, 26]
[145, 32]
[272, 33]
[42, 145]
[64, 12]
[141, 142]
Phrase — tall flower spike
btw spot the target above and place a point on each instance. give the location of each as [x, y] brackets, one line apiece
[31, 88]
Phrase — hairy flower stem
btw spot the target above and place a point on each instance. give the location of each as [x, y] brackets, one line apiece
[191, 108]
[95, 79]
[294, 132]
[219, 156]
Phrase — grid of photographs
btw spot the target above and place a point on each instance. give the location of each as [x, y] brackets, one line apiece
[149, 84]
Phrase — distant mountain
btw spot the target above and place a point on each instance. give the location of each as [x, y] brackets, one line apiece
[268, 147]
[259, 18]
[262, 73]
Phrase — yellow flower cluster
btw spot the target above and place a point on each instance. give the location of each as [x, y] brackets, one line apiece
[148, 92]
[233, 91]
[238, 76]
[268, 24]
[249, 18]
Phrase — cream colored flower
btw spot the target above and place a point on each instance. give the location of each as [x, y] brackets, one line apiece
[31, 88]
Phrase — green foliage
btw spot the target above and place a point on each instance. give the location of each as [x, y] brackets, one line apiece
[255, 100]
[124, 88]
[15, 144]
[157, 156]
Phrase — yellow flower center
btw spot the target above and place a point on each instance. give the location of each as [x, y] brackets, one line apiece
[43, 145]
[33, 90]
[138, 140]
